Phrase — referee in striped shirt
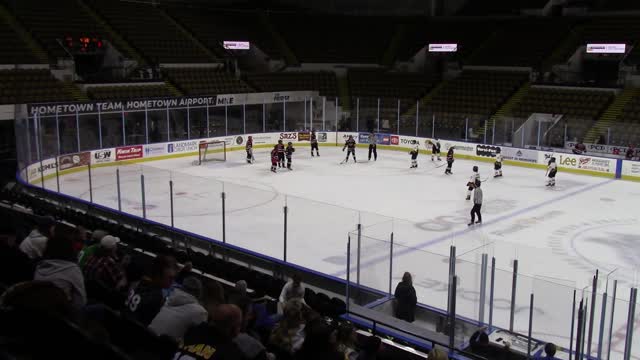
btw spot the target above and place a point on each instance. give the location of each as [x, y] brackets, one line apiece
[477, 204]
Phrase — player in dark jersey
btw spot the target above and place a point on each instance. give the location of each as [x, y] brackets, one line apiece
[249, 148]
[350, 145]
[414, 157]
[373, 147]
[289, 152]
[314, 143]
[280, 147]
[449, 161]
[274, 158]
[435, 149]
[552, 170]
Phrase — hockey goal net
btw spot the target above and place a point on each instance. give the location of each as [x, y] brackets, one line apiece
[212, 151]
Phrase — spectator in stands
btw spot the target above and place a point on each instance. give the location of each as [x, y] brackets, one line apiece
[292, 290]
[181, 311]
[630, 152]
[479, 343]
[579, 148]
[319, 343]
[405, 299]
[29, 295]
[371, 348]
[214, 339]
[347, 339]
[437, 354]
[238, 293]
[35, 243]
[15, 266]
[146, 299]
[550, 351]
[91, 247]
[213, 294]
[248, 344]
[60, 268]
[288, 335]
[104, 268]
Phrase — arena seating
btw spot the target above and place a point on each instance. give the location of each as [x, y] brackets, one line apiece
[324, 82]
[151, 32]
[474, 95]
[12, 49]
[619, 5]
[581, 108]
[30, 86]
[626, 130]
[336, 39]
[128, 92]
[523, 37]
[213, 27]
[206, 81]
[52, 21]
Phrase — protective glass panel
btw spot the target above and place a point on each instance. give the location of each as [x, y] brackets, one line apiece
[135, 127]
[217, 121]
[235, 119]
[296, 117]
[254, 219]
[254, 118]
[111, 130]
[89, 132]
[47, 140]
[157, 126]
[408, 118]
[275, 117]
[68, 133]
[305, 235]
[198, 123]
[178, 124]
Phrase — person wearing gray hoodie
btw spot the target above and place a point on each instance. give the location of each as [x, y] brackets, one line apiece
[35, 243]
[181, 311]
[58, 266]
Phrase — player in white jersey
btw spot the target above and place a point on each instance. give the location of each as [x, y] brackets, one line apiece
[552, 169]
[497, 166]
[472, 182]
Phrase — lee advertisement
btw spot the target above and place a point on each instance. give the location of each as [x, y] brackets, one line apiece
[74, 160]
[580, 162]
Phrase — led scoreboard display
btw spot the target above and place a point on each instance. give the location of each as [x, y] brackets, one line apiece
[83, 44]
[606, 48]
[443, 47]
[236, 45]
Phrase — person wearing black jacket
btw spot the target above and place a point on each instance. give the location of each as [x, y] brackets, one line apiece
[406, 299]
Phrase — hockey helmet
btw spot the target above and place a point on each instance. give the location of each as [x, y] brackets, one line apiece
[350, 136]
[553, 159]
[415, 148]
[475, 169]
[289, 143]
[279, 141]
[498, 151]
[250, 137]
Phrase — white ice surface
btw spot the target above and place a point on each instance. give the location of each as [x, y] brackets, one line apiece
[560, 235]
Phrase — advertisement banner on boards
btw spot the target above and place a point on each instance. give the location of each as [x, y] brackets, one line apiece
[524, 155]
[579, 162]
[304, 136]
[129, 152]
[103, 156]
[70, 161]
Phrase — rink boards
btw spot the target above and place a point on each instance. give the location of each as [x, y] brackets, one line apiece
[581, 164]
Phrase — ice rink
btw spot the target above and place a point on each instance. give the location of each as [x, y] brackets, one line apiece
[559, 236]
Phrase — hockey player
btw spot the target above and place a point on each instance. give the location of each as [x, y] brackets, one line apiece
[435, 149]
[274, 158]
[449, 161]
[280, 147]
[350, 145]
[289, 152]
[373, 147]
[552, 169]
[497, 166]
[314, 143]
[414, 157]
[249, 149]
[472, 182]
